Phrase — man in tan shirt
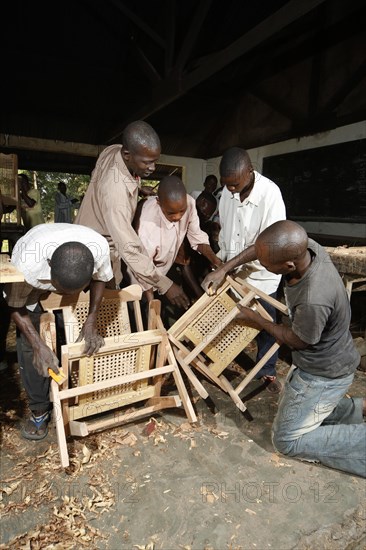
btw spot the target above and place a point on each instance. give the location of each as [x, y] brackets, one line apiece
[110, 203]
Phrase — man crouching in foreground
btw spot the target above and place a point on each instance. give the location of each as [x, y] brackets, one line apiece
[314, 421]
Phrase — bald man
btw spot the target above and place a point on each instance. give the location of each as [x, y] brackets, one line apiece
[163, 221]
[315, 421]
[110, 202]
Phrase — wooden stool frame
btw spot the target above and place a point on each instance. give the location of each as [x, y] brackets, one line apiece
[128, 369]
[208, 337]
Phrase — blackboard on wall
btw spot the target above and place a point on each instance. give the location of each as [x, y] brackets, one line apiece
[326, 183]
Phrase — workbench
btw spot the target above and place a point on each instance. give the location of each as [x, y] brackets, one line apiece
[9, 273]
[351, 265]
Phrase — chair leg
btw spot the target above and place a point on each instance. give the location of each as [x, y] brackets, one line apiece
[182, 390]
[60, 428]
[256, 368]
[191, 376]
[234, 396]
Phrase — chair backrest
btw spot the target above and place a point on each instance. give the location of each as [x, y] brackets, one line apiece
[127, 355]
[113, 316]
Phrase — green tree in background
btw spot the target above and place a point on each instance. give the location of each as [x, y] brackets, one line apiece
[47, 183]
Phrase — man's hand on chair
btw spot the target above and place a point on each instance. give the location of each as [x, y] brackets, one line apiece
[44, 359]
[93, 340]
[177, 297]
[213, 280]
[251, 318]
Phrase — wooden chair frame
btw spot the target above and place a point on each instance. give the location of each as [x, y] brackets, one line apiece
[128, 369]
[207, 337]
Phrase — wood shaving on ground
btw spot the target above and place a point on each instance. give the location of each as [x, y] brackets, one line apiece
[69, 524]
[278, 461]
[148, 546]
[208, 496]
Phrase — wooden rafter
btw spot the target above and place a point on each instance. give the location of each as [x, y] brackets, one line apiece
[146, 65]
[139, 22]
[346, 89]
[172, 88]
[170, 24]
[192, 34]
[276, 103]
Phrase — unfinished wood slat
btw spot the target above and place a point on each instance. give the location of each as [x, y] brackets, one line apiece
[66, 394]
[276, 303]
[122, 342]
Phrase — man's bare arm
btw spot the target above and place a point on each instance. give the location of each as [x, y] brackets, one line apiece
[43, 356]
[93, 340]
[282, 333]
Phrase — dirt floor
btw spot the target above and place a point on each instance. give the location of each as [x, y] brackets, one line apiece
[165, 484]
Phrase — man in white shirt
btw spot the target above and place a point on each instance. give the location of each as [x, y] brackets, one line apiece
[63, 258]
[249, 203]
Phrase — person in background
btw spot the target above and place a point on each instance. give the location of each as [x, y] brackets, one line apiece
[62, 258]
[316, 420]
[31, 209]
[206, 207]
[249, 203]
[209, 185]
[110, 203]
[197, 266]
[64, 205]
[217, 194]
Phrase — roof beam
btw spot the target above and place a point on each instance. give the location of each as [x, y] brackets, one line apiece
[192, 34]
[170, 34]
[138, 22]
[8, 141]
[346, 89]
[172, 88]
[146, 65]
[276, 103]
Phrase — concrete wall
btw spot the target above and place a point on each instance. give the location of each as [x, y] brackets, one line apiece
[339, 135]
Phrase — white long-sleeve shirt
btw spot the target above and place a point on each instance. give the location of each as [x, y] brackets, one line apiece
[242, 222]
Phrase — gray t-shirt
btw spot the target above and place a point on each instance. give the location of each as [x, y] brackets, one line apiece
[320, 313]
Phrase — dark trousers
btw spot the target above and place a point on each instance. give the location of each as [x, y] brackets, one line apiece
[265, 341]
[4, 324]
[36, 386]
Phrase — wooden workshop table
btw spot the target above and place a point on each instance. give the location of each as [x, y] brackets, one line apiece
[351, 264]
[8, 273]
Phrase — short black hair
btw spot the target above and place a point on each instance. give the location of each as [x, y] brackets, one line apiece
[72, 265]
[139, 134]
[171, 188]
[210, 177]
[233, 160]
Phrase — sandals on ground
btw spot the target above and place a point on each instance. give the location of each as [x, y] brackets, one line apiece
[36, 427]
[272, 384]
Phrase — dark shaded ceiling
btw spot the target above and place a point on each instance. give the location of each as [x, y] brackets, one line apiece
[205, 74]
